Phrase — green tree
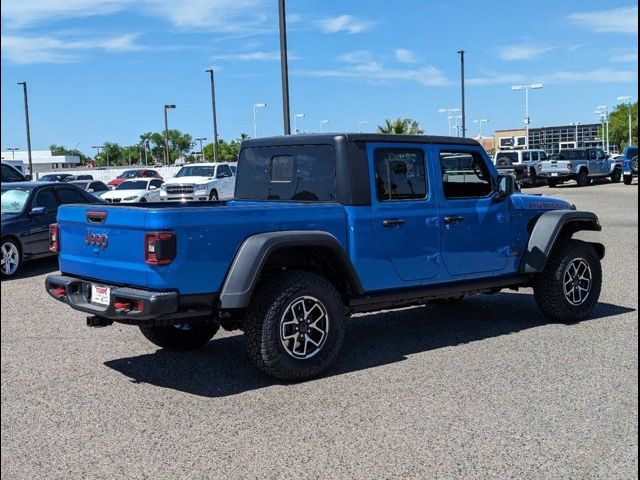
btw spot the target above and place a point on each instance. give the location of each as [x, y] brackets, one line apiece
[62, 150]
[401, 126]
[110, 155]
[179, 145]
[227, 152]
[619, 125]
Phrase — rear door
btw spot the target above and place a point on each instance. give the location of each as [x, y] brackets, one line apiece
[38, 242]
[405, 211]
[473, 225]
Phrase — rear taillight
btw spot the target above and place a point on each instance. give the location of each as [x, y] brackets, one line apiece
[159, 248]
[539, 166]
[569, 165]
[54, 238]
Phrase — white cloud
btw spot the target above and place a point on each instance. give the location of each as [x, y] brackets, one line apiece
[524, 51]
[631, 57]
[251, 57]
[617, 20]
[218, 15]
[344, 23]
[405, 56]
[558, 77]
[359, 56]
[48, 49]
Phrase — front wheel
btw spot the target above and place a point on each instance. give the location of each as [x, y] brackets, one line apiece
[11, 257]
[213, 196]
[294, 327]
[181, 337]
[583, 178]
[569, 288]
[628, 179]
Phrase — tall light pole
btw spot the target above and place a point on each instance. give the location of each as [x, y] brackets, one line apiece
[322, 124]
[481, 122]
[603, 111]
[13, 151]
[527, 119]
[464, 107]
[26, 118]
[628, 100]
[201, 139]
[361, 126]
[215, 116]
[166, 134]
[284, 65]
[450, 116]
[298, 116]
[98, 148]
[145, 144]
[256, 107]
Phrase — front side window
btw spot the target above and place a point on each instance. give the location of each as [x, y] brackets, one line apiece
[70, 196]
[46, 198]
[400, 174]
[224, 171]
[465, 175]
[296, 173]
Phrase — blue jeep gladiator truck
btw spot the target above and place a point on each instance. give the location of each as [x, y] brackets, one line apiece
[630, 164]
[322, 227]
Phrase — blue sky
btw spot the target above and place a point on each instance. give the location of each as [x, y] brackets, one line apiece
[101, 70]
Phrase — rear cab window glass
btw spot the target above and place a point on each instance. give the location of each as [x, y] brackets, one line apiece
[400, 174]
[296, 173]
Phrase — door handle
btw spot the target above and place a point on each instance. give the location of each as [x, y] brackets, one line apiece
[393, 222]
[453, 220]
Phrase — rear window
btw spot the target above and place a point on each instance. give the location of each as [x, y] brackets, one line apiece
[299, 174]
[510, 156]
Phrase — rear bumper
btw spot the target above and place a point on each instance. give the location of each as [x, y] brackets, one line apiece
[127, 305]
[557, 175]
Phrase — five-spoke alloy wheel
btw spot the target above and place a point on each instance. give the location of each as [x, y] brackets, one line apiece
[10, 258]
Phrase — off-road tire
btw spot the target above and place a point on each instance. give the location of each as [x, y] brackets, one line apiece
[628, 179]
[549, 288]
[262, 324]
[616, 176]
[180, 339]
[552, 183]
[583, 179]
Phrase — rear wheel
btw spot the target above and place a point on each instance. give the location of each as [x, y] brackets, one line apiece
[616, 176]
[11, 257]
[569, 288]
[181, 337]
[295, 325]
[628, 179]
[583, 178]
[553, 183]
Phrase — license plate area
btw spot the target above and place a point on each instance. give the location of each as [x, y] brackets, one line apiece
[100, 295]
[554, 174]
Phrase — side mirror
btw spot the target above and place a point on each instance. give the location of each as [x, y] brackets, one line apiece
[506, 186]
[153, 187]
[90, 190]
[28, 178]
[37, 211]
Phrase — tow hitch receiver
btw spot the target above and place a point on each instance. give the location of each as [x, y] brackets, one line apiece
[98, 322]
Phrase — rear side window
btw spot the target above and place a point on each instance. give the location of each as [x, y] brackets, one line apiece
[465, 175]
[400, 174]
[70, 196]
[303, 174]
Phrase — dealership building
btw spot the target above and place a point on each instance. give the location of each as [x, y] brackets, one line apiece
[552, 139]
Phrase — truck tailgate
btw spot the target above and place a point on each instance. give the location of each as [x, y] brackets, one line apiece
[111, 250]
[556, 166]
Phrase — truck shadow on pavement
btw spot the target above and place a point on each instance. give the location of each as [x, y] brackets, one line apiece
[35, 269]
[222, 368]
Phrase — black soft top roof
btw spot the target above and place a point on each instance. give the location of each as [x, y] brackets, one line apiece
[334, 138]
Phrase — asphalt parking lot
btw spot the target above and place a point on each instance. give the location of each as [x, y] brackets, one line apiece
[487, 388]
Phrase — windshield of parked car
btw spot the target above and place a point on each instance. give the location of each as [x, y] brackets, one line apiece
[196, 171]
[54, 177]
[14, 200]
[130, 174]
[81, 184]
[133, 185]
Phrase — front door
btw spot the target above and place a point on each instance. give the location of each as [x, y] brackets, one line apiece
[405, 211]
[473, 224]
[38, 242]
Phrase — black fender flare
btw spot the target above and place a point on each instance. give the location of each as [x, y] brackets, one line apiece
[254, 252]
[547, 232]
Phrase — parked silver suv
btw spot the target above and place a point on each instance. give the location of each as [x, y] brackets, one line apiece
[530, 161]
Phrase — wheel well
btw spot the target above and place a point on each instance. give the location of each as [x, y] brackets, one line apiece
[323, 261]
[571, 228]
[583, 168]
[15, 239]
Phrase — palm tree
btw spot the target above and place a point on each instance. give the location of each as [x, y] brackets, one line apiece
[401, 126]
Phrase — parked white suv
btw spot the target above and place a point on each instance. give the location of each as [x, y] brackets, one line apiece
[200, 182]
[528, 158]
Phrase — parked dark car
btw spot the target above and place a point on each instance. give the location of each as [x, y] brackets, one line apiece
[57, 177]
[131, 174]
[11, 174]
[84, 177]
[28, 208]
[95, 187]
